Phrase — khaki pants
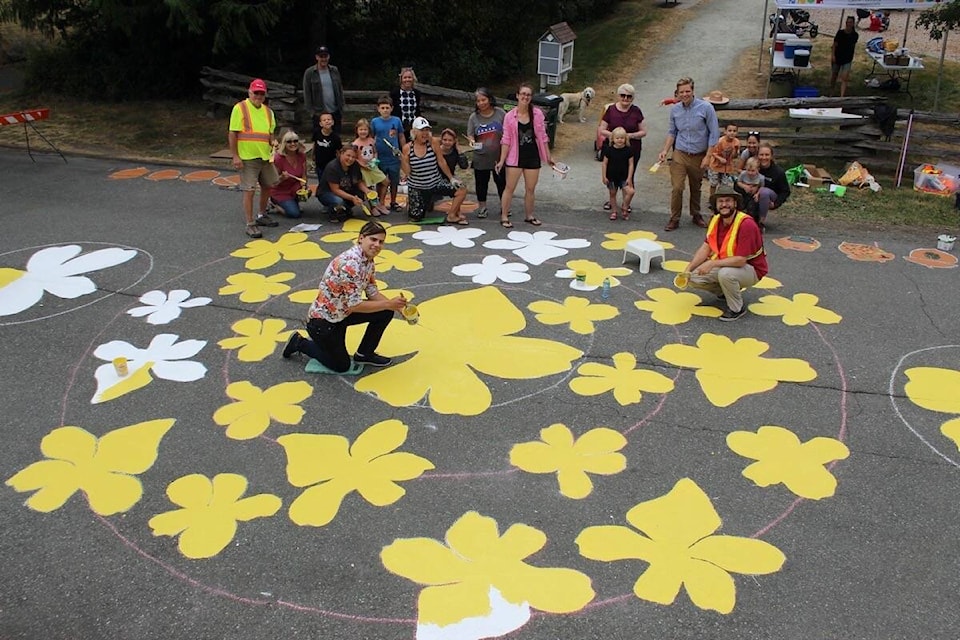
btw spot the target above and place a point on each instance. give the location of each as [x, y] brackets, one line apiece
[729, 281]
[685, 167]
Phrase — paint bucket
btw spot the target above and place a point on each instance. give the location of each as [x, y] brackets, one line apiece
[372, 198]
[838, 190]
[560, 170]
[410, 313]
[581, 277]
[120, 365]
[945, 242]
[681, 280]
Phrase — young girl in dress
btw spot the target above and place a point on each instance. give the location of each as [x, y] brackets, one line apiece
[373, 177]
[617, 172]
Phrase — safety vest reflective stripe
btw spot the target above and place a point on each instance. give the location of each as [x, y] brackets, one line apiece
[247, 134]
[730, 244]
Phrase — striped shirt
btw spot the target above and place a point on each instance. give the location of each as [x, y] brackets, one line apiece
[424, 172]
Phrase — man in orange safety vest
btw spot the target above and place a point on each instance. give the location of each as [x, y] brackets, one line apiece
[732, 256]
[251, 138]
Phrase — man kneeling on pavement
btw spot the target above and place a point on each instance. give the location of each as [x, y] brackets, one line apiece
[731, 257]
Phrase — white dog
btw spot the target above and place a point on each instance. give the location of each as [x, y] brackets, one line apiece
[576, 101]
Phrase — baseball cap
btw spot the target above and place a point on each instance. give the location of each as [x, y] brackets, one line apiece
[322, 50]
[420, 123]
[258, 85]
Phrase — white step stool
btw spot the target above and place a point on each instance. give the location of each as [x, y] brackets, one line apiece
[646, 250]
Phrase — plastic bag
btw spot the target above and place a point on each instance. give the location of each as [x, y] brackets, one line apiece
[795, 174]
[855, 174]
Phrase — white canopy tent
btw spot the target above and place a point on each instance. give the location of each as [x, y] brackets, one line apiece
[878, 5]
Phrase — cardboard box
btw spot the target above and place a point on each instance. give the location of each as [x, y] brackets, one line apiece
[816, 175]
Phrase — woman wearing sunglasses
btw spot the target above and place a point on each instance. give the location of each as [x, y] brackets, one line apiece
[623, 113]
[290, 161]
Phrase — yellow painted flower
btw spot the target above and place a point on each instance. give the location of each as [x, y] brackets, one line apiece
[104, 468]
[766, 282]
[675, 266]
[389, 260]
[256, 339]
[579, 313]
[458, 335]
[676, 538]
[618, 241]
[623, 378]
[331, 468]
[351, 228]
[675, 307]
[558, 452]
[385, 289]
[303, 296]
[728, 370]
[459, 575]
[801, 310]
[595, 272]
[256, 287]
[782, 458]
[290, 246]
[937, 389]
[211, 509]
[250, 415]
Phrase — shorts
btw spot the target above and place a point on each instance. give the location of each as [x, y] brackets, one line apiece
[615, 185]
[841, 68]
[257, 170]
[419, 201]
[716, 178]
[392, 172]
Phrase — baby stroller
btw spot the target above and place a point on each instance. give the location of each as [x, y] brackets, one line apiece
[795, 21]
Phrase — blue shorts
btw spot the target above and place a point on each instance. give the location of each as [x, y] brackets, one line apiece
[392, 171]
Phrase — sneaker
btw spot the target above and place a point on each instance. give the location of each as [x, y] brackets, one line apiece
[374, 359]
[293, 344]
[396, 208]
[253, 230]
[264, 220]
[482, 212]
[730, 316]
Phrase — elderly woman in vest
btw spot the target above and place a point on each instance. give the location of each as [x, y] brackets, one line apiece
[427, 177]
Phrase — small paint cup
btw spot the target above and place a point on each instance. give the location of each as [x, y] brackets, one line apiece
[410, 313]
[581, 277]
[681, 280]
[120, 366]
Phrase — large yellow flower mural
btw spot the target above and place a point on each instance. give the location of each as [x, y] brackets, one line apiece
[618, 241]
[676, 536]
[388, 260]
[937, 389]
[796, 312]
[256, 287]
[782, 458]
[256, 339]
[254, 408]
[728, 370]
[104, 468]
[572, 459]
[351, 229]
[476, 567]
[262, 253]
[207, 521]
[675, 307]
[623, 378]
[330, 467]
[578, 312]
[458, 335]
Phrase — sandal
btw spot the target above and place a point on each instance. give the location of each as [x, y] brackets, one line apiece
[613, 215]
[606, 206]
[253, 230]
[625, 215]
[482, 212]
[533, 221]
[458, 221]
[506, 224]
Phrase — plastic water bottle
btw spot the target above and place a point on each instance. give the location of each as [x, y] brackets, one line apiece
[605, 289]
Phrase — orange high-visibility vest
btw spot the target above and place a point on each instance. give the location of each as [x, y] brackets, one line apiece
[730, 242]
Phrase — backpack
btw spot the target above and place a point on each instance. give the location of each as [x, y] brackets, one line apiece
[886, 119]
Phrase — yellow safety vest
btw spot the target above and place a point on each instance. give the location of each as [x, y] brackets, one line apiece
[729, 247]
[256, 127]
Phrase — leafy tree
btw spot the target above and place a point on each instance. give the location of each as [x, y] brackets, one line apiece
[939, 20]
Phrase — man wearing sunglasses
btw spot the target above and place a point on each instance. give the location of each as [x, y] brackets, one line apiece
[252, 124]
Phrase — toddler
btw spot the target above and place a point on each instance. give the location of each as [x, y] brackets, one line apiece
[616, 172]
[373, 177]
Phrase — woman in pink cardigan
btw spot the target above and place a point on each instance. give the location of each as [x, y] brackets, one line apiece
[524, 149]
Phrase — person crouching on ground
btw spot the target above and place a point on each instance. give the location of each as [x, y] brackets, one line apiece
[732, 256]
[341, 185]
[290, 161]
[428, 175]
[340, 303]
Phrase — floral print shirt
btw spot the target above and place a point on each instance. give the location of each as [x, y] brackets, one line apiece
[347, 276]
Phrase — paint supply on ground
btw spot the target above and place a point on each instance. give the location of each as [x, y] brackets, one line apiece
[681, 280]
[605, 290]
[581, 277]
[411, 313]
[838, 190]
[945, 242]
[120, 366]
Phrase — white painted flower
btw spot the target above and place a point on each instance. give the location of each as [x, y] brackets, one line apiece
[504, 617]
[459, 237]
[494, 268]
[55, 270]
[538, 247]
[162, 308]
[164, 358]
